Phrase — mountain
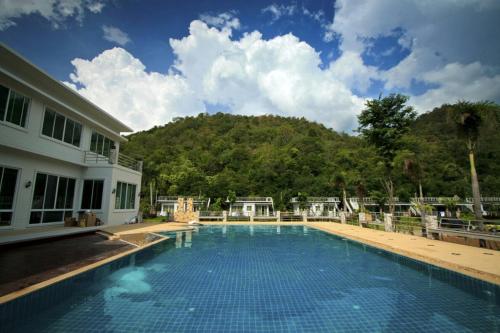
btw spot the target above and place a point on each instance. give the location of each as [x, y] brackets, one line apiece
[209, 155]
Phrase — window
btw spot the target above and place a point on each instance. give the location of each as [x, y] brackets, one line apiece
[8, 181]
[61, 128]
[125, 196]
[100, 144]
[52, 198]
[13, 106]
[92, 194]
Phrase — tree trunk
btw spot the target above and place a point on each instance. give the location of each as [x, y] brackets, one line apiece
[421, 191]
[475, 187]
[344, 194]
[389, 187]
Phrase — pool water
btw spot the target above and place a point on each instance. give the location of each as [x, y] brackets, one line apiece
[269, 279]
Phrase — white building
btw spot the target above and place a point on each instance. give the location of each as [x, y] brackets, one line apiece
[317, 206]
[170, 204]
[252, 206]
[59, 153]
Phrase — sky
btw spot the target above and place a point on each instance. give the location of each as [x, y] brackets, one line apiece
[148, 62]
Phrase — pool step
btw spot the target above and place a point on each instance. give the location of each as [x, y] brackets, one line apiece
[107, 235]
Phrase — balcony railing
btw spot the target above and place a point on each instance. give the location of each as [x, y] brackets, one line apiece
[254, 199]
[90, 157]
[317, 199]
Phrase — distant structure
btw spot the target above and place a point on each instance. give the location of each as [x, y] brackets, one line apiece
[251, 206]
[317, 206]
[170, 204]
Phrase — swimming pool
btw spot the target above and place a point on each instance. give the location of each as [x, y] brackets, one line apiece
[260, 279]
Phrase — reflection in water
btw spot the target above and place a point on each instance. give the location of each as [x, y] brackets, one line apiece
[278, 229]
[178, 239]
[188, 241]
[224, 230]
[305, 230]
[251, 230]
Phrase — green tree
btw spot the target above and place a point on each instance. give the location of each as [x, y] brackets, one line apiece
[468, 117]
[383, 124]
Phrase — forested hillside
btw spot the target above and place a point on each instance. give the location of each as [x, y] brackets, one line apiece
[209, 155]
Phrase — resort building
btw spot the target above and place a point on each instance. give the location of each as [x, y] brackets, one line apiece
[317, 206]
[251, 206]
[59, 153]
[170, 204]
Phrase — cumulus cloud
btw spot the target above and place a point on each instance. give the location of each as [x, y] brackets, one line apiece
[250, 76]
[225, 20]
[115, 35]
[284, 75]
[448, 40]
[120, 84]
[55, 11]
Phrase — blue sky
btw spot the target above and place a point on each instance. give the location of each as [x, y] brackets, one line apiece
[150, 61]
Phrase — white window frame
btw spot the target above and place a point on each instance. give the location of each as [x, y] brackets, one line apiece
[51, 138]
[19, 170]
[126, 196]
[64, 210]
[28, 111]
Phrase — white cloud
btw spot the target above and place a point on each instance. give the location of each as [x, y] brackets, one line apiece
[278, 11]
[444, 37]
[115, 35]
[225, 20]
[119, 83]
[55, 11]
[250, 76]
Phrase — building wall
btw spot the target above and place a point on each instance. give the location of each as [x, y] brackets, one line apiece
[28, 150]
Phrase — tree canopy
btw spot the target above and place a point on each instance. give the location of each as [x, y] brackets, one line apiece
[210, 155]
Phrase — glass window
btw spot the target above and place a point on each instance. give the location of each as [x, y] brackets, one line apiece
[59, 127]
[52, 198]
[70, 193]
[125, 196]
[77, 133]
[39, 191]
[92, 194]
[68, 131]
[8, 181]
[100, 144]
[48, 123]
[13, 106]
[4, 96]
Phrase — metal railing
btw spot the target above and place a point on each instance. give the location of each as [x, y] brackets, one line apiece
[317, 199]
[167, 198]
[254, 199]
[91, 157]
[129, 162]
[488, 227]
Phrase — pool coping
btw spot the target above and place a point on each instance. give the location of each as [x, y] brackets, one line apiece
[35, 287]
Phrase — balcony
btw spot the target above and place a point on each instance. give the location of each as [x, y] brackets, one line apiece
[128, 162]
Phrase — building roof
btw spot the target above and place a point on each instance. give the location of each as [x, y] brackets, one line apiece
[23, 71]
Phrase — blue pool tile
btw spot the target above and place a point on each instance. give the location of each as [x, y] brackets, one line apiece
[233, 279]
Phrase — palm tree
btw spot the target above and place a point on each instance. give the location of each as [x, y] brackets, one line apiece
[469, 116]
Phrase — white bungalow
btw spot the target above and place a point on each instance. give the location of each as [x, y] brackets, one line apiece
[59, 153]
[318, 206]
[170, 204]
[252, 206]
